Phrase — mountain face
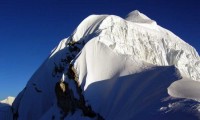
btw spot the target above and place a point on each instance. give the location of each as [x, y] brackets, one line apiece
[113, 68]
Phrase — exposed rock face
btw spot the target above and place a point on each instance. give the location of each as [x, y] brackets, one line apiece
[63, 96]
[68, 103]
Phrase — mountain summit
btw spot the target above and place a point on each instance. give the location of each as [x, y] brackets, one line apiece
[112, 68]
[136, 16]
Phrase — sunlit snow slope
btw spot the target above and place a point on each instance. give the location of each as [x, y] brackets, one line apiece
[124, 68]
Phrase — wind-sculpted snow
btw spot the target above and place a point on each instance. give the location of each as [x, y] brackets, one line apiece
[185, 88]
[146, 41]
[134, 90]
[121, 68]
[157, 47]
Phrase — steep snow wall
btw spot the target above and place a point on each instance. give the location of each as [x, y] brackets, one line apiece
[146, 41]
[156, 47]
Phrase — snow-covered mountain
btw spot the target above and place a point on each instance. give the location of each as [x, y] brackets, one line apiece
[9, 100]
[115, 68]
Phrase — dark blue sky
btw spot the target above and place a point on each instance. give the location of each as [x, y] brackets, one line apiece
[30, 29]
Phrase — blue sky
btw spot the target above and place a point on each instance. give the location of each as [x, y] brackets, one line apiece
[30, 29]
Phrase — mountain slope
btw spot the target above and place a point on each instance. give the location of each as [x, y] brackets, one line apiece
[5, 108]
[116, 69]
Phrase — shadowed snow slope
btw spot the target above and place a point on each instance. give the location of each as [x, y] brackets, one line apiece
[5, 108]
[124, 68]
[5, 112]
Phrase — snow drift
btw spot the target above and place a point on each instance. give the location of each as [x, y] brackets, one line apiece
[122, 68]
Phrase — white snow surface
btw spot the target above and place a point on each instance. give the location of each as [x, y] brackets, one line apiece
[9, 100]
[124, 69]
[115, 84]
[185, 88]
[147, 42]
[136, 16]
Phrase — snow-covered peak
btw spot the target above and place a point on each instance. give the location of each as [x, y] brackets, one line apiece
[104, 60]
[136, 16]
[9, 100]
